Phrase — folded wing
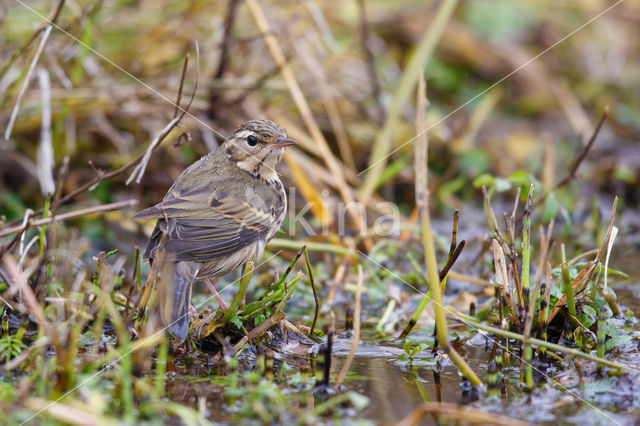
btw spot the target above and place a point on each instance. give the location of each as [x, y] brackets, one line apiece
[201, 225]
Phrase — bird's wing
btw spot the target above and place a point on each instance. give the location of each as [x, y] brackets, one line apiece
[203, 225]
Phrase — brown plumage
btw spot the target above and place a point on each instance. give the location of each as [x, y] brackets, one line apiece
[219, 214]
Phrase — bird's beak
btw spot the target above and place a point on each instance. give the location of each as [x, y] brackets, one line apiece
[283, 142]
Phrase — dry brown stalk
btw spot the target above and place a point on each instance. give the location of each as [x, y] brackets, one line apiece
[260, 329]
[494, 223]
[25, 83]
[502, 279]
[304, 108]
[31, 39]
[356, 330]
[18, 280]
[70, 215]
[459, 413]
[100, 175]
[583, 154]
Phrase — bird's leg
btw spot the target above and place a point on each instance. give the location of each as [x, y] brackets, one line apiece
[215, 293]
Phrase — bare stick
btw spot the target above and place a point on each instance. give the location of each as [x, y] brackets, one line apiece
[313, 287]
[30, 40]
[459, 413]
[141, 167]
[494, 222]
[223, 59]
[583, 154]
[451, 260]
[371, 65]
[502, 279]
[34, 308]
[226, 38]
[25, 83]
[260, 329]
[104, 176]
[356, 330]
[70, 215]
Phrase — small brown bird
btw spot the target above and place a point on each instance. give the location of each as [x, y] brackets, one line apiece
[219, 214]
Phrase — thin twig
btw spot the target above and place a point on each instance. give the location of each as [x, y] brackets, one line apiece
[70, 215]
[182, 78]
[494, 222]
[371, 65]
[583, 154]
[260, 329]
[313, 288]
[104, 176]
[451, 260]
[304, 108]
[502, 279]
[30, 40]
[356, 330]
[25, 83]
[141, 167]
[459, 413]
[226, 39]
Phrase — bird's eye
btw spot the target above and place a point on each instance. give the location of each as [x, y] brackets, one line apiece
[252, 141]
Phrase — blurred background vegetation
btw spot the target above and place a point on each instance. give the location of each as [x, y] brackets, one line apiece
[515, 89]
[103, 114]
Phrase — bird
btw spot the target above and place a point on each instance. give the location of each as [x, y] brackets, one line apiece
[218, 215]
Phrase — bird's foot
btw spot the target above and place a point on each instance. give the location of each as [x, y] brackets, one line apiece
[215, 293]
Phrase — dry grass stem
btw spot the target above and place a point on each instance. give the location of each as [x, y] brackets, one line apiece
[303, 106]
[502, 279]
[457, 413]
[70, 215]
[25, 82]
[356, 330]
[422, 53]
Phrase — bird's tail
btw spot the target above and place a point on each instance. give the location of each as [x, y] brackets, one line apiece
[174, 298]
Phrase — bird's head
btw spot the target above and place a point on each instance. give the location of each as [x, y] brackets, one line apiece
[256, 146]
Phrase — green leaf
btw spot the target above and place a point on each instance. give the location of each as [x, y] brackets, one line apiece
[612, 329]
[586, 320]
[259, 319]
[611, 271]
[236, 321]
[551, 207]
[588, 309]
[616, 341]
[484, 179]
[523, 180]
[578, 337]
